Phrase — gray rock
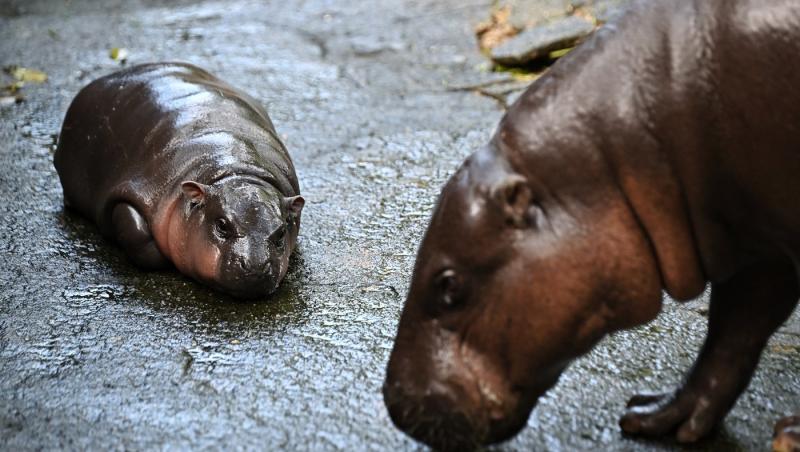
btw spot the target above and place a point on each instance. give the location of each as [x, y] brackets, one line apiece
[529, 13]
[539, 41]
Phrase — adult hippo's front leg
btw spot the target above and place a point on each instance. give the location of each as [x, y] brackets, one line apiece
[756, 301]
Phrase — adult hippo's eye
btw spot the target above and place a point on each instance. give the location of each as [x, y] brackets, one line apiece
[448, 285]
[222, 227]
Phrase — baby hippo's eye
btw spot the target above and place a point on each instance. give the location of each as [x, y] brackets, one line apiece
[222, 227]
[278, 236]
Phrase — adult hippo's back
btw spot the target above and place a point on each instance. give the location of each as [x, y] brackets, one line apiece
[178, 166]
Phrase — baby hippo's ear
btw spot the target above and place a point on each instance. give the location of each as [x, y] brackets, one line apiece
[514, 197]
[294, 204]
[195, 191]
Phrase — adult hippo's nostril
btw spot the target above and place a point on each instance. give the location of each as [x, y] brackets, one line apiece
[434, 417]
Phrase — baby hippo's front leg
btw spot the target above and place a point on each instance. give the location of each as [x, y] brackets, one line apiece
[132, 232]
[744, 312]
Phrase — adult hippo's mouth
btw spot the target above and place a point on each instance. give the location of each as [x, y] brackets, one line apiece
[466, 400]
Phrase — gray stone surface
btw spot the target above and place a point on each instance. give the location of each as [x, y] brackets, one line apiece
[548, 25]
[529, 13]
[95, 354]
[539, 41]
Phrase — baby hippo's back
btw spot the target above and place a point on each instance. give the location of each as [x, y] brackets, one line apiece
[136, 134]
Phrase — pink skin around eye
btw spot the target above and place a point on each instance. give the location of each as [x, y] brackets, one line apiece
[188, 250]
[206, 262]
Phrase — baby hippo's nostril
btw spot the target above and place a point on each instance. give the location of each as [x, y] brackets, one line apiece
[258, 267]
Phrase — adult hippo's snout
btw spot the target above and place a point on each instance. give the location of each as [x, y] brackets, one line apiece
[450, 417]
[431, 400]
[450, 397]
[433, 417]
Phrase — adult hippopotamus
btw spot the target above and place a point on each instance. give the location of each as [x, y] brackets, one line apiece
[662, 154]
[179, 167]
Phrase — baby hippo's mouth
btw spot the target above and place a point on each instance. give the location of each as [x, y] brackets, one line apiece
[249, 290]
[250, 278]
[248, 284]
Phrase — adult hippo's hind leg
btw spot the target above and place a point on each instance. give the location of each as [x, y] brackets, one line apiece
[744, 313]
[133, 234]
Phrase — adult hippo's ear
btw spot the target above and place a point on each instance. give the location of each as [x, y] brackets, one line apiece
[513, 195]
[194, 191]
[294, 204]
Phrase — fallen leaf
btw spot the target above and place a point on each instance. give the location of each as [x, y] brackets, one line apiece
[23, 74]
[14, 87]
[118, 54]
[496, 29]
[556, 54]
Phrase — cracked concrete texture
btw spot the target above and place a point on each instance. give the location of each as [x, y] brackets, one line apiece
[96, 354]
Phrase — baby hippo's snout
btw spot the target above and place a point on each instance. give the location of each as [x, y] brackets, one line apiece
[253, 274]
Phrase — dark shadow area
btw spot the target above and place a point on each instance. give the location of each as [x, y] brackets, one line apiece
[172, 293]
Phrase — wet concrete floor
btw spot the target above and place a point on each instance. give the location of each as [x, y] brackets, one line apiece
[96, 354]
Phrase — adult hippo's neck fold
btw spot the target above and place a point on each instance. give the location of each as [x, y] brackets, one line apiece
[583, 151]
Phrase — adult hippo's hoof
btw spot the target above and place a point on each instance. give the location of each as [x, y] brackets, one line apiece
[180, 168]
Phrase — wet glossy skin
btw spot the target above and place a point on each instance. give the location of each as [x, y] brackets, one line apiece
[178, 167]
[646, 160]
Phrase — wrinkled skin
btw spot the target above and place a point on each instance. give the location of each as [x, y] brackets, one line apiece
[644, 161]
[181, 169]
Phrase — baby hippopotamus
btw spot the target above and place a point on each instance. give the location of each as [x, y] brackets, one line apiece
[662, 154]
[180, 168]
